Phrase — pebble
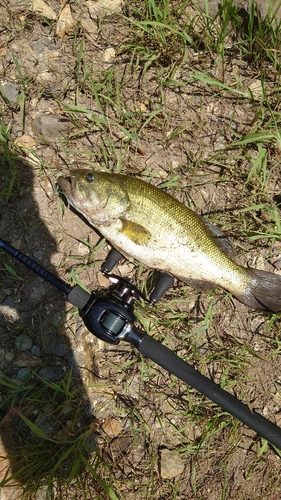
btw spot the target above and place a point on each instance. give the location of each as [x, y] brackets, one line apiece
[120, 444]
[41, 44]
[112, 427]
[171, 464]
[103, 7]
[23, 373]
[57, 346]
[256, 89]
[9, 301]
[11, 92]
[35, 351]
[9, 356]
[50, 126]
[46, 424]
[9, 312]
[90, 28]
[109, 55]
[37, 293]
[103, 280]
[65, 22]
[26, 141]
[261, 5]
[52, 373]
[40, 7]
[90, 443]
[38, 254]
[23, 343]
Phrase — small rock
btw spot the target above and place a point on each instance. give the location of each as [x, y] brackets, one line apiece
[10, 91]
[40, 7]
[126, 269]
[52, 373]
[41, 44]
[50, 126]
[23, 373]
[103, 7]
[38, 254]
[256, 89]
[35, 350]
[9, 356]
[276, 262]
[37, 293]
[23, 342]
[90, 443]
[194, 433]
[17, 244]
[9, 301]
[2, 358]
[89, 27]
[112, 427]
[57, 346]
[46, 424]
[9, 312]
[109, 55]
[65, 22]
[26, 141]
[171, 464]
[62, 435]
[82, 249]
[259, 262]
[102, 280]
[121, 444]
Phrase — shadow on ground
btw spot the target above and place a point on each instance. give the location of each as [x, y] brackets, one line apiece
[44, 410]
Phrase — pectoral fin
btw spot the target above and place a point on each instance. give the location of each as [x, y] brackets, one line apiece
[136, 232]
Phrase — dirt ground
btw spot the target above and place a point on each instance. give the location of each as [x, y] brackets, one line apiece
[139, 412]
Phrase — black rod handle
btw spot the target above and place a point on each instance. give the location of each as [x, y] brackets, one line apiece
[164, 282]
[166, 358]
[111, 260]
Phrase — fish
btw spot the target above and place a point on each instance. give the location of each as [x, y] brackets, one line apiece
[145, 223]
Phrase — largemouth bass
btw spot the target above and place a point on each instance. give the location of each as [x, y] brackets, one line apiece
[143, 222]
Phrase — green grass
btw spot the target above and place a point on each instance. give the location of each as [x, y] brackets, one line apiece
[167, 50]
[9, 178]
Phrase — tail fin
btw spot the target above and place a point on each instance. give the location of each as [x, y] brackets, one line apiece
[263, 291]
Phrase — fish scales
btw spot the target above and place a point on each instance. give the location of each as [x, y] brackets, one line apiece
[181, 242]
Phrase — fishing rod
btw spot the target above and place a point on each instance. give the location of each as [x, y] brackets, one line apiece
[111, 318]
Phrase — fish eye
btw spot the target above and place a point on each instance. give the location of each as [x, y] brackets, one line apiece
[89, 177]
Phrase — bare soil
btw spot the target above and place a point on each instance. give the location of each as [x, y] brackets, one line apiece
[135, 408]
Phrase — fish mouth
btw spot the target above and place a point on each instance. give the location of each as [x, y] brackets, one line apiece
[67, 185]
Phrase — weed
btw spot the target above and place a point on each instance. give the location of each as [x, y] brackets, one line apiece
[201, 91]
[9, 178]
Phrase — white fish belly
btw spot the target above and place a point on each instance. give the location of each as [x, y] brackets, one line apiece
[177, 259]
